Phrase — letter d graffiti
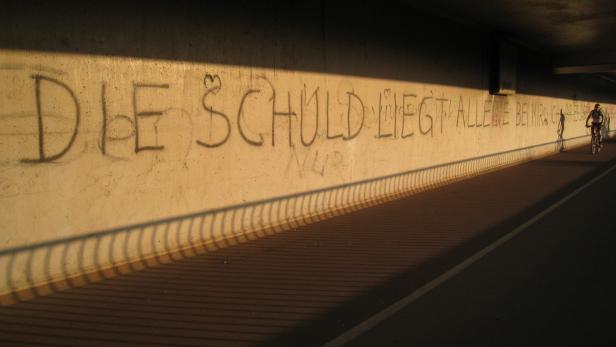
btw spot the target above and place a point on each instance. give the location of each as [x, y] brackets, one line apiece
[43, 156]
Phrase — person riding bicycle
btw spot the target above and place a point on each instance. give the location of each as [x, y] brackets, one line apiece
[597, 121]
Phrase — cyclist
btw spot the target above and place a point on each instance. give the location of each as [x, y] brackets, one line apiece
[597, 122]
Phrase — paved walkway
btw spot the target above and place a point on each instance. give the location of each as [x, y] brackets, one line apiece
[552, 284]
[307, 286]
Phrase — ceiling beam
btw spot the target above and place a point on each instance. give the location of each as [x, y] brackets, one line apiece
[581, 69]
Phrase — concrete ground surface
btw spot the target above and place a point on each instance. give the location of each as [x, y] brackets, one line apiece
[552, 284]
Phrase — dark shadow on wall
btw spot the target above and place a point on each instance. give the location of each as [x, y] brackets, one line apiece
[606, 130]
[299, 288]
[365, 38]
[104, 254]
[389, 40]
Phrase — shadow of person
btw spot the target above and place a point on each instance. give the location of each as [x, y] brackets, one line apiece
[560, 143]
[606, 129]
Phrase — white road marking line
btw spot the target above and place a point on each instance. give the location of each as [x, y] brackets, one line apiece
[373, 321]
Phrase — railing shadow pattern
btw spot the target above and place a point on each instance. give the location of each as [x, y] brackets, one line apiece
[40, 269]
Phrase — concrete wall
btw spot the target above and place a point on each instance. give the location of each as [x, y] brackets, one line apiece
[111, 154]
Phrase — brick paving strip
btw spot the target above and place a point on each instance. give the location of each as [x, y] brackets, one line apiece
[304, 286]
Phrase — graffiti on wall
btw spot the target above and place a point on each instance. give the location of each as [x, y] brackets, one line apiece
[263, 116]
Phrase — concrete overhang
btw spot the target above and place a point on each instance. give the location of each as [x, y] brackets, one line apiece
[579, 36]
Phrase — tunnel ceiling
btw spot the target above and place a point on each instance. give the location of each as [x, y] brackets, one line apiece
[579, 34]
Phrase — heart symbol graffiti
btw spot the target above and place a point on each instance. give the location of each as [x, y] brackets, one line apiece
[212, 82]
